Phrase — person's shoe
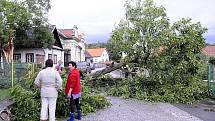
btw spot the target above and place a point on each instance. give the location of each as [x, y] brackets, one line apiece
[71, 118]
[78, 116]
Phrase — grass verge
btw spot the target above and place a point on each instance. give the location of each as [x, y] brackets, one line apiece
[4, 93]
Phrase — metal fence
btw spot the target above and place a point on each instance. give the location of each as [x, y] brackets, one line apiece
[211, 79]
[19, 70]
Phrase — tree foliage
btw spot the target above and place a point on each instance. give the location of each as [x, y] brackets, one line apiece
[169, 53]
[116, 45]
[143, 33]
[212, 60]
[28, 19]
[96, 45]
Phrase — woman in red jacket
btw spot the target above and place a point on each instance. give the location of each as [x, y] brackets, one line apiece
[73, 90]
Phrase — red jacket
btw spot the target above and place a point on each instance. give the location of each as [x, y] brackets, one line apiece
[73, 81]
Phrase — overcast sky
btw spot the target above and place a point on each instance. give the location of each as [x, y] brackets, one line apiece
[97, 18]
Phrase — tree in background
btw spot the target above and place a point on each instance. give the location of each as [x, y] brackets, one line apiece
[29, 20]
[212, 60]
[96, 45]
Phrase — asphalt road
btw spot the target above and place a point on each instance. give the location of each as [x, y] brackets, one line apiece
[134, 110]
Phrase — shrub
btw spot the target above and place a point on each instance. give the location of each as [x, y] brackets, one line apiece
[153, 91]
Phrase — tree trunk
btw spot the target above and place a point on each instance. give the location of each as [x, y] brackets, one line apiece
[106, 70]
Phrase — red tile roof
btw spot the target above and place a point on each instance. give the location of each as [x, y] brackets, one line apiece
[67, 32]
[97, 52]
[209, 50]
[70, 33]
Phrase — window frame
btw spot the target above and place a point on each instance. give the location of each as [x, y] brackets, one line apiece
[49, 56]
[31, 57]
[17, 57]
[55, 59]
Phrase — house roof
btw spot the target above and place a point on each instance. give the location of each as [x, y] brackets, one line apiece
[87, 54]
[57, 38]
[95, 52]
[37, 43]
[69, 34]
[209, 50]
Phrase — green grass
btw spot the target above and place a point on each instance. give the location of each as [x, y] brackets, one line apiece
[4, 93]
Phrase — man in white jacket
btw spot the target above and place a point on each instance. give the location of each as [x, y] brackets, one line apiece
[49, 82]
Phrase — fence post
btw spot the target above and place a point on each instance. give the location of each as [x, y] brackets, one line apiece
[33, 68]
[12, 73]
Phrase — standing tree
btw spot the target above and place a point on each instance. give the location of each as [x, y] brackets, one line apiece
[141, 37]
[28, 19]
[170, 54]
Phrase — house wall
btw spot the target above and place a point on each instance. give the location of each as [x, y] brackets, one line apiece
[41, 52]
[77, 49]
[53, 52]
[104, 57]
[82, 45]
[23, 53]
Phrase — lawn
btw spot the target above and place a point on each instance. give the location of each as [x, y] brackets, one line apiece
[4, 93]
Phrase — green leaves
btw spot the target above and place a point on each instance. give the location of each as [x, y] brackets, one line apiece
[155, 91]
[171, 53]
[24, 16]
[27, 104]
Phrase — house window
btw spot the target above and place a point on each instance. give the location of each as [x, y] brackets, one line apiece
[17, 57]
[29, 57]
[49, 56]
[55, 59]
[40, 59]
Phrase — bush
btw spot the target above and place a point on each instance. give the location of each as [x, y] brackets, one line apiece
[153, 91]
[27, 104]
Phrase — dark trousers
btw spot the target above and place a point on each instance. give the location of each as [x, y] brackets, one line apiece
[74, 103]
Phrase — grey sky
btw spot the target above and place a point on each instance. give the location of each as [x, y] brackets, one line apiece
[96, 18]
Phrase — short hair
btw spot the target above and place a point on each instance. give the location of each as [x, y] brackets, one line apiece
[73, 64]
[49, 63]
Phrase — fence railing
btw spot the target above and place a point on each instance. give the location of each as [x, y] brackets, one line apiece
[211, 78]
[19, 70]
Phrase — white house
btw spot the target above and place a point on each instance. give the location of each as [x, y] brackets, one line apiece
[97, 55]
[39, 55]
[73, 43]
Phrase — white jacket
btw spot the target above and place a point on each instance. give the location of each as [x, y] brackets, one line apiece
[49, 81]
